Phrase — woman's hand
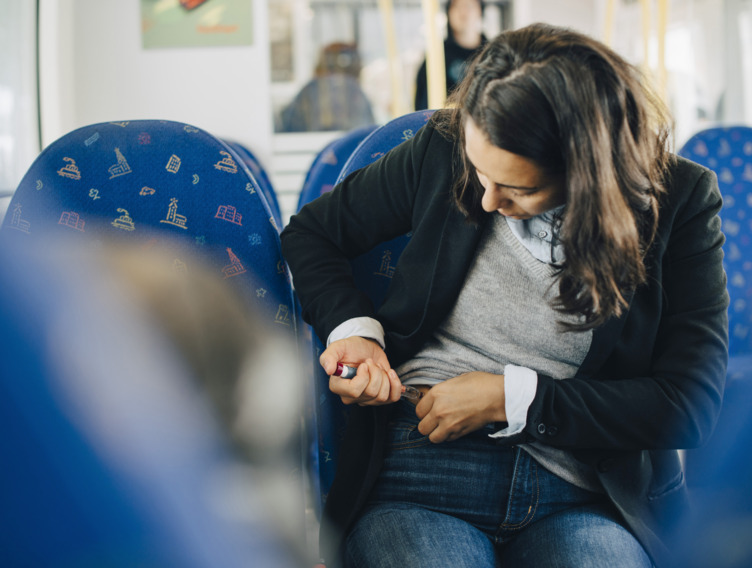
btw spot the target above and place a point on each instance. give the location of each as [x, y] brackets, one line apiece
[461, 405]
[375, 383]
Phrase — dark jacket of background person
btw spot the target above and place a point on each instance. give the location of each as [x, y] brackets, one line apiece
[456, 60]
[333, 99]
[652, 380]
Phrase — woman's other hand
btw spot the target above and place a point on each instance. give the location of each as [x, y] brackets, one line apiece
[461, 405]
[375, 383]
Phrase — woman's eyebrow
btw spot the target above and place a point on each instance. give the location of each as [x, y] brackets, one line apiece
[518, 187]
[524, 188]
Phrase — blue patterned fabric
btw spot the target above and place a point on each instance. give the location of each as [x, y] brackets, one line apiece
[728, 152]
[372, 272]
[321, 178]
[714, 482]
[150, 179]
[324, 171]
[259, 174]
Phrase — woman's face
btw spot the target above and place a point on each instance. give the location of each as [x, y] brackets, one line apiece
[514, 186]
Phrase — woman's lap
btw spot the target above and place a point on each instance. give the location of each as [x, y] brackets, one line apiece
[474, 503]
[383, 538]
[591, 536]
[400, 534]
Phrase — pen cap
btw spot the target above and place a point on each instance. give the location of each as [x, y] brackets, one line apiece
[345, 371]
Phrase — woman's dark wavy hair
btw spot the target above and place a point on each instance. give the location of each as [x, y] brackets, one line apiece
[578, 110]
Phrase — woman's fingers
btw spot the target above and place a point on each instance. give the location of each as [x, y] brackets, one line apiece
[352, 351]
[461, 405]
[372, 385]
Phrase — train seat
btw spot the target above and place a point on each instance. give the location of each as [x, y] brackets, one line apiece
[157, 180]
[372, 272]
[728, 152]
[262, 178]
[320, 178]
[326, 166]
[718, 474]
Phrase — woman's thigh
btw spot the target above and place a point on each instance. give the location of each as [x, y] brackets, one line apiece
[468, 478]
[399, 534]
[591, 536]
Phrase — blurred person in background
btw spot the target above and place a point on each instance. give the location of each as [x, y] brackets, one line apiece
[333, 99]
[464, 38]
[154, 418]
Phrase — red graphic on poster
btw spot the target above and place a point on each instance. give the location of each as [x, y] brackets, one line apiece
[191, 4]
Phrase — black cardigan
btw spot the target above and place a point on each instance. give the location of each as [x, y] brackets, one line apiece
[651, 382]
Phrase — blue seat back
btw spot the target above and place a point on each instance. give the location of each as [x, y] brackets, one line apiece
[320, 178]
[728, 152]
[372, 272]
[262, 179]
[326, 166]
[151, 179]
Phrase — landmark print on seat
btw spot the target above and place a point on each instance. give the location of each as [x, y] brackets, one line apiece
[155, 180]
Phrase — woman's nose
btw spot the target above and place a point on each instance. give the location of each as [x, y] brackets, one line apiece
[494, 199]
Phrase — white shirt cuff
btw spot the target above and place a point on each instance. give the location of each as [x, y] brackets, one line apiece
[358, 327]
[520, 386]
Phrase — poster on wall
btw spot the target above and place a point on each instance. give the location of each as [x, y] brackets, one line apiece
[196, 23]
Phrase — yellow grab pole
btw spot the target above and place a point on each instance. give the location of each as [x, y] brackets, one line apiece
[397, 106]
[661, 33]
[435, 64]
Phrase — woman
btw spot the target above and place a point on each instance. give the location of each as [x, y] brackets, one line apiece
[464, 38]
[561, 304]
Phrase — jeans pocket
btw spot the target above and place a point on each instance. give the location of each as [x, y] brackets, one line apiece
[405, 435]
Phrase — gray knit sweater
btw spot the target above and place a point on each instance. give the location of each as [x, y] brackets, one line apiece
[503, 316]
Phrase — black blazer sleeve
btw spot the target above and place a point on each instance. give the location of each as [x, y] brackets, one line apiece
[370, 206]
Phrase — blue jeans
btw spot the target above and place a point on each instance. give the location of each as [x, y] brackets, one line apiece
[475, 503]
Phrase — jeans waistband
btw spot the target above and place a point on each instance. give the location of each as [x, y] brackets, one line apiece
[404, 411]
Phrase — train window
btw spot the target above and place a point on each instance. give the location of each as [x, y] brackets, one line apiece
[330, 59]
[19, 140]
[705, 73]
[341, 49]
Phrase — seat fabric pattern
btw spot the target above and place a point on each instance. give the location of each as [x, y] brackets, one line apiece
[373, 272]
[326, 166]
[158, 181]
[728, 152]
[262, 178]
[320, 178]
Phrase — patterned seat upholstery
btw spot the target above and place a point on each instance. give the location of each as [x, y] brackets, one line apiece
[719, 473]
[373, 272]
[326, 166]
[259, 173]
[728, 152]
[321, 177]
[150, 179]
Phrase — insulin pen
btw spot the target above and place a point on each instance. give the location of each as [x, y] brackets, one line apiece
[347, 372]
